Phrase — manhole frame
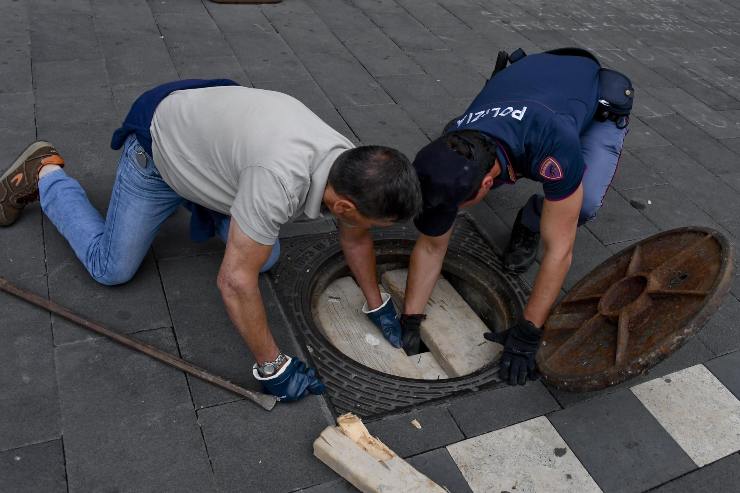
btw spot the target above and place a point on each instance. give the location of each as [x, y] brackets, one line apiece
[352, 386]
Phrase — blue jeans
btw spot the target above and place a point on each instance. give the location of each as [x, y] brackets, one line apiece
[113, 248]
[601, 145]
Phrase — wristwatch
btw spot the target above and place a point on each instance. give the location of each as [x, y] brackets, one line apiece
[269, 368]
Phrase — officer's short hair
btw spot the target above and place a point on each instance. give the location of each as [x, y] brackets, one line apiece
[379, 180]
[478, 149]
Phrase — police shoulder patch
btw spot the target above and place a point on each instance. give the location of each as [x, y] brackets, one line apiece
[550, 169]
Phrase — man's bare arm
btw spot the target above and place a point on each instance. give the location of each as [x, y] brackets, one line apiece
[357, 245]
[558, 227]
[239, 286]
[424, 269]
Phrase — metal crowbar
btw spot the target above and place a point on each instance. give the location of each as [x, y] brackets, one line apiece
[263, 400]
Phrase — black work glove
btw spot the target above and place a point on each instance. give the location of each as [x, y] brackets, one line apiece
[410, 333]
[520, 347]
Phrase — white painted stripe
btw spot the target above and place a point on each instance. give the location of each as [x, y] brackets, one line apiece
[526, 457]
[701, 415]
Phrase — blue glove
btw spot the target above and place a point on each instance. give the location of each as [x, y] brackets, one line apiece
[386, 319]
[292, 382]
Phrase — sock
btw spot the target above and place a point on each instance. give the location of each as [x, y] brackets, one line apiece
[48, 169]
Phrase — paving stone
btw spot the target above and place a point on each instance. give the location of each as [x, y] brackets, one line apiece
[438, 429]
[308, 227]
[694, 142]
[492, 409]
[265, 56]
[29, 402]
[718, 124]
[722, 333]
[722, 476]
[96, 108]
[378, 53]
[404, 30]
[633, 173]
[690, 354]
[118, 404]
[529, 456]
[38, 467]
[221, 67]
[667, 208]
[131, 15]
[145, 60]
[697, 410]
[37, 7]
[641, 135]
[620, 443]
[205, 334]
[250, 448]
[176, 6]
[336, 486]
[725, 369]
[17, 127]
[513, 196]
[453, 73]
[340, 75]
[617, 221]
[648, 106]
[385, 125]
[70, 78]
[440, 468]
[134, 306]
[708, 192]
[191, 35]
[15, 65]
[67, 36]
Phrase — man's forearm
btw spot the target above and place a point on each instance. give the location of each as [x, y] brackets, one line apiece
[424, 269]
[550, 278]
[245, 308]
[360, 255]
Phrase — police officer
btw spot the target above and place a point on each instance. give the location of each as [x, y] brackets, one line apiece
[533, 120]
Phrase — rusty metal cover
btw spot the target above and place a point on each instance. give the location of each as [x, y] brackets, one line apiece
[635, 309]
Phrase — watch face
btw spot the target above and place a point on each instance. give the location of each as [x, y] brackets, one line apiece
[268, 369]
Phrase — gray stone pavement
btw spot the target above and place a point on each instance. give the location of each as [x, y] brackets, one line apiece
[80, 414]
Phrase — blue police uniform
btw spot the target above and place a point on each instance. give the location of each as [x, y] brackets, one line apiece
[539, 112]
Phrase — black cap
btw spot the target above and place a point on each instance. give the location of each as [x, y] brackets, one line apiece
[447, 179]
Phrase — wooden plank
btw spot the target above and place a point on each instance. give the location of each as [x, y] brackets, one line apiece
[366, 462]
[429, 366]
[452, 331]
[340, 314]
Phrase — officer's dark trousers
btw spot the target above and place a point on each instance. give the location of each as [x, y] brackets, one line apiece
[601, 144]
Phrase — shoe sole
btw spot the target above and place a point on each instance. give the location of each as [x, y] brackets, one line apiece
[23, 156]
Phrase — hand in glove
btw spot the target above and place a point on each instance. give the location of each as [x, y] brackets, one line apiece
[292, 382]
[520, 347]
[386, 319]
[410, 330]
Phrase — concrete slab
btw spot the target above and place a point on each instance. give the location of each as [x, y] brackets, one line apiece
[65, 36]
[620, 443]
[492, 409]
[252, 450]
[617, 221]
[697, 410]
[529, 456]
[438, 429]
[117, 403]
[633, 173]
[725, 368]
[721, 476]
[722, 333]
[70, 77]
[667, 207]
[38, 467]
[29, 402]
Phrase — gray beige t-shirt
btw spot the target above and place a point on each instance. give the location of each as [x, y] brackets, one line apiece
[260, 156]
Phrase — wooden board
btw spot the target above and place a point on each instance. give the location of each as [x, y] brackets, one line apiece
[452, 331]
[366, 462]
[340, 314]
[428, 366]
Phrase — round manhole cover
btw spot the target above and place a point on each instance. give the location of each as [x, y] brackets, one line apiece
[635, 309]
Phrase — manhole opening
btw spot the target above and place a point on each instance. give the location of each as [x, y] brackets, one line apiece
[310, 264]
[462, 308]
